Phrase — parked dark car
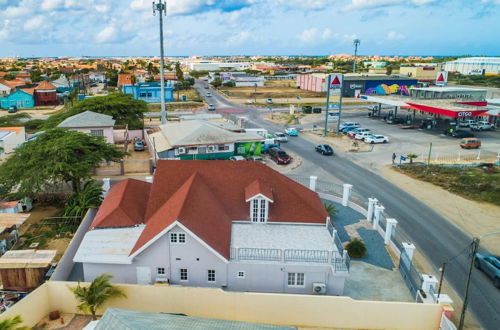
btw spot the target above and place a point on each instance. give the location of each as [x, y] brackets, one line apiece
[462, 134]
[395, 120]
[324, 149]
[12, 109]
[279, 156]
[490, 265]
[317, 110]
[266, 147]
[306, 109]
[139, 146]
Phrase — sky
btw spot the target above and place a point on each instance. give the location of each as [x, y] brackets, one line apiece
[37, 28]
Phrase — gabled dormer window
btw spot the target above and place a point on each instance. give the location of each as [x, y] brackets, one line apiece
[259, 210]
[259, 194]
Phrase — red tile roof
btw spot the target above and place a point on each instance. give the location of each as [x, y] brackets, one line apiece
[45, 86]
[124, 79]
[124, 205]
[205, 197]
[258, 187]
[12, 83]
[8, 205]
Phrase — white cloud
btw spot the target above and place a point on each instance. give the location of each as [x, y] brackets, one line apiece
[240, 37]
[102, 8]
[314, 35]
[393, 35]
[359, 4]
[108, 34]
[16, 12]
[51, 4]
[34, 23]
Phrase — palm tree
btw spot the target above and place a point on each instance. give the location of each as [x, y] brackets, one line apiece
[330, 209]
[12, 324]
[98, 292]
[89, 197]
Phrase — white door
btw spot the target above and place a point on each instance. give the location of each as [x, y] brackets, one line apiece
[143, 275]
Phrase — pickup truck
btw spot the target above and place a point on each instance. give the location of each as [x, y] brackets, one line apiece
[481, 126]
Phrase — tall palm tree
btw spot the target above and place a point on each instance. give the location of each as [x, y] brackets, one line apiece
[96, 294]
[330, 209]
[12, 324]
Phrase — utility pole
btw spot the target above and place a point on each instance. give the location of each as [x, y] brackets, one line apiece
[356, 43]
[475, 246]
[161, 7]
[429, 156]
[440, 282]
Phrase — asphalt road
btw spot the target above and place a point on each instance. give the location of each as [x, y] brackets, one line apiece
[434, 236]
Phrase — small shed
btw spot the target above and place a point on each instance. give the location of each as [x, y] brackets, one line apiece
[18, 206]
[24, 270]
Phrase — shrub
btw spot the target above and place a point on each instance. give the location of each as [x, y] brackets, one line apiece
[356, 248]
[34, 125]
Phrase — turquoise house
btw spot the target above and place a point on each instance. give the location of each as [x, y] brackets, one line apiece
[19, 98]
[149, 92]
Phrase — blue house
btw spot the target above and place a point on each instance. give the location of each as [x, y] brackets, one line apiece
[20, 98]
[149, 92]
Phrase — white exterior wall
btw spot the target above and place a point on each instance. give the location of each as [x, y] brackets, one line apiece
[107, 131]
[198, 259]
[12, 141]
[4, 90]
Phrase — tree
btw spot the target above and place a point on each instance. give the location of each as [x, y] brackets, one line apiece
[330, 209]
[229, 84]
[12, 323]
[178, 72]
[57, 156]
[411, 157]
[90, 197]
[217, 82]
[122, 107]
[96, 294]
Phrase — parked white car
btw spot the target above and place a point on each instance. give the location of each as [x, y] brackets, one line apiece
[481, 126]
[362, 135]
[280, 137]
[209, 94]
[466, 123]
[372, 139]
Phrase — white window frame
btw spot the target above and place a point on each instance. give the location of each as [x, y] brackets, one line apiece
[259, 210]
[240, 274]
[294, 277]
[161, 271]
[97, 132]
[181, 238]
[211, 276]
[173, 238]
[180, 274]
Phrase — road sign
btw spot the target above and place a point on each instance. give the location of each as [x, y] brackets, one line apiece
[403, 158]
[442, 78]
[336, 81]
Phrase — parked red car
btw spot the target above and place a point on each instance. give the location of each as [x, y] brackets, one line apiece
[279, 156]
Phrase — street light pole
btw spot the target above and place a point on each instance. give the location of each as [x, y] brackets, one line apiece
[356, 43]
[161, 7]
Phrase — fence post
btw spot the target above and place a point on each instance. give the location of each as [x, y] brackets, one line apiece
[409, 249]
[105, 186]
[346, 194]
[379, 209]
[428, 281]
[391, 226]
[479, 154]
[312, 182]
[458, 156]
[371, 205]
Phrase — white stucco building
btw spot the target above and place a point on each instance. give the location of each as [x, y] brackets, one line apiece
[235, 225]
[11, 138]
[92, 123]
[474, 65]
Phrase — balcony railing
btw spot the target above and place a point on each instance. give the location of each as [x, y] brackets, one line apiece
[338, 261]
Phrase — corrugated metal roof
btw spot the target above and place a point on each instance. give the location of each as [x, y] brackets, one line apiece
[200, 132]
[108, 245]
[123, 319]
[27, 258]
[88, 119]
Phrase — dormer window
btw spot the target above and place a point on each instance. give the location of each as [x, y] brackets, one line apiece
[259, 194]
[259, 209]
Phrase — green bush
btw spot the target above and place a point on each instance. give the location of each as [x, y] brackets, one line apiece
[34, 125]
[307, 109]
[356, 248]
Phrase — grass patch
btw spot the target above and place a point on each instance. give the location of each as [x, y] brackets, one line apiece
[476, 183]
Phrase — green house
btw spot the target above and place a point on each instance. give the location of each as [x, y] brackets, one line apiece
[201, 139]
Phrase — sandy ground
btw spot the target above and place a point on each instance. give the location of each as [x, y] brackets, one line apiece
[474, 218]
[38, 213]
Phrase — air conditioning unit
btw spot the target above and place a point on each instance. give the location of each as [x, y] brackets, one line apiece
[212, 148]
[319, 288]
[181, 150]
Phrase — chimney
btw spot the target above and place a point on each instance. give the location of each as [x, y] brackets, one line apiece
[105, 186]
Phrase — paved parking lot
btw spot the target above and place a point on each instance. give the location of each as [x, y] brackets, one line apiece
[405, 141]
